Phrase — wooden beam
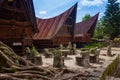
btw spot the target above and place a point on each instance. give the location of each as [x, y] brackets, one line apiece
[1, 2]
[14, 22]
[13, 10]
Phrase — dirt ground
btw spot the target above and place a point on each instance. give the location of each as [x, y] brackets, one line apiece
[94, 69]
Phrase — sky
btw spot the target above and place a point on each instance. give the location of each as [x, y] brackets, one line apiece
[51, 8]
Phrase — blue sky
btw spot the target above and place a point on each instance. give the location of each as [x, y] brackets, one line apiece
[52, 8]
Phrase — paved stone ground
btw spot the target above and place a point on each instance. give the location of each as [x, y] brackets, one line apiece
[94, 69]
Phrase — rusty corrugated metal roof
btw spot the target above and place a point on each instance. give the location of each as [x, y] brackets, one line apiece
[49, 27]
[84, 26]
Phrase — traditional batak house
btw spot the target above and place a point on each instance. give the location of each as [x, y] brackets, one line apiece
[84, 30]
[17, 23]
[57, 30]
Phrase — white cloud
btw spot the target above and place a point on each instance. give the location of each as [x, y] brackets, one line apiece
[43, 12]
[91, 2]
[78, 8]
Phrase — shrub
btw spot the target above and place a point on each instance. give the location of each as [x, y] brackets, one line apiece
[93, 45]
[117, 40]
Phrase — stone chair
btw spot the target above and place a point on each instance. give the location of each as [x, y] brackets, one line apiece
[38, 60]
[58, 60]
[47, 53]
[94, 55]
[83, 60]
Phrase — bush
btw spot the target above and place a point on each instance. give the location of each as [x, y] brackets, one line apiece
[117, 40]
[109, 71]
[93, 45]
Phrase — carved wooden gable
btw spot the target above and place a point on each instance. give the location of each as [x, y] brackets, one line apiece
[67, 28]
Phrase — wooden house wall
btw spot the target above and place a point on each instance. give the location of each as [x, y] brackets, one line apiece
[84, 38]
[15, 34]
[52, 42]
[16, 26]
[61, 40]
[42, 43]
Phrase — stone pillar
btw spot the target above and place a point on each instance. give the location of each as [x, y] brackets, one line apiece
[61, 46]
[58, 59]
[109, 51]
[97, 55]
[28, 52]
[69, 47]
[38, 60]
[32, 55]
[74, 48]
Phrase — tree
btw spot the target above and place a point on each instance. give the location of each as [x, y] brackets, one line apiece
[99, 30]
[86, 17]
[111, 20]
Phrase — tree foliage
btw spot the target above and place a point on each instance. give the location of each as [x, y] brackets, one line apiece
[86, 17]
[111, 20]
[99, 30]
